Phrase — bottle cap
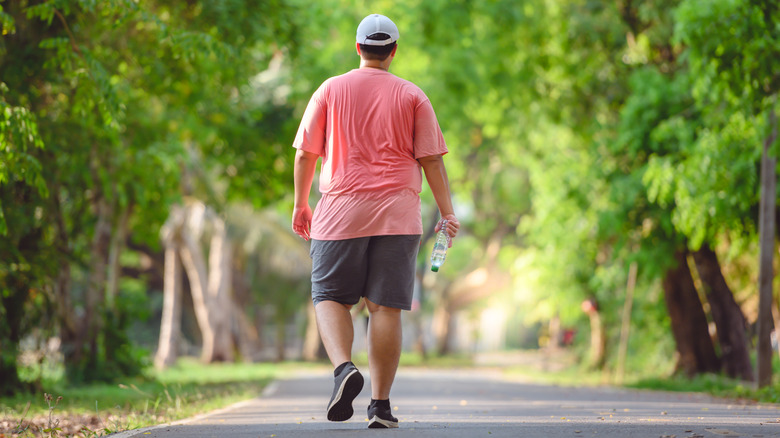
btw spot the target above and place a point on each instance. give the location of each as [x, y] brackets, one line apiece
[435, 268]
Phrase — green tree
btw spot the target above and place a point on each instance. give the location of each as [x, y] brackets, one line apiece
[137, 103]
[24, 261]
[734, 53]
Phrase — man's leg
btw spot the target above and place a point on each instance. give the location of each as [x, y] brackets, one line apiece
[335, 325]
[384, 348]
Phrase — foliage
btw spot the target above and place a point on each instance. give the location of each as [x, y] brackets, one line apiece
[18, 133]
[137, 103]
[584, 136]
[732, 49]
[712, 179]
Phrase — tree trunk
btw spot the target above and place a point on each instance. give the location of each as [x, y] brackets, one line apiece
[728, 317]
[689, 324]
[598, 340]
[114, 267]
[93, 320]
[420, 293]
[442, 328]
[69, 333]
[554, 333]
[219, 282]
[281, 340]
[416, 315]
[70, 336]
[11, 316]
[245, 334]
[170, 327]
[625, 325]
[312, 344]
[766, 258]
[195, 265]
[10, 384]
[115, 336]
[209, 287]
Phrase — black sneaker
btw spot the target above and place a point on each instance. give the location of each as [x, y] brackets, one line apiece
[349, 383]
[379, 416]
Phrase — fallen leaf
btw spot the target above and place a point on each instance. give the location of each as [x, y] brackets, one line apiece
[722, 432]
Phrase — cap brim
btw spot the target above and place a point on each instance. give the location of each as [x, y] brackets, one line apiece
[369, 42]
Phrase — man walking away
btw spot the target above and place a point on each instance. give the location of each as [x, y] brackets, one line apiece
[374, 132]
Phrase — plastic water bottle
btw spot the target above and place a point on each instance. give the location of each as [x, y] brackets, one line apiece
[440, 248]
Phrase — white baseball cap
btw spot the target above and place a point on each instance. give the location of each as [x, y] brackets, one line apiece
[374, 24]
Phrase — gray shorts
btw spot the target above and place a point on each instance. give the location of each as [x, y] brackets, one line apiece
[380, 268]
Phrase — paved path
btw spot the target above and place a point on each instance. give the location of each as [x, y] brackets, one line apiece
[480, 404]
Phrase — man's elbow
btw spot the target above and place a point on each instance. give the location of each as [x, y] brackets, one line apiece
[430, 160]
[303, 156]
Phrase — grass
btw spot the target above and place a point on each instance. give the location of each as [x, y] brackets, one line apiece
[656, 379]
[570, 376]
[187, 389]
[716, 385]
[409, 359]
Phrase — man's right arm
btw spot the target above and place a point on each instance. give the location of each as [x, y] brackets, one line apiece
[303, 174]
[436, 175]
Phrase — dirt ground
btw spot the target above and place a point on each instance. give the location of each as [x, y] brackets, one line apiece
[58, 426]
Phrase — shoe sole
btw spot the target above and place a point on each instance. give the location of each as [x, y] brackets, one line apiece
[378, 423]
[340, 408]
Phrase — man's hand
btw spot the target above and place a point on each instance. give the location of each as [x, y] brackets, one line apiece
[452, 226]
[301, 221]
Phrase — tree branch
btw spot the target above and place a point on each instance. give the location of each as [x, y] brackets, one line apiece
[70, 34]
[72, 40]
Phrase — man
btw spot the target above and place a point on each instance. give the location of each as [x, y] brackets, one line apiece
[374, 131]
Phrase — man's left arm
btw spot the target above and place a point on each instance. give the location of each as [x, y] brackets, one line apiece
[436, 175]
[303, 174]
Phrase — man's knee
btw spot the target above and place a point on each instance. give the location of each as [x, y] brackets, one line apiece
[373, 308]
[331, 304]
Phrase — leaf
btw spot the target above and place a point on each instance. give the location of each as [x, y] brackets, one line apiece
[722, 432]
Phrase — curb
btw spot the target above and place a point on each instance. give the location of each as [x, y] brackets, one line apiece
[268, 391]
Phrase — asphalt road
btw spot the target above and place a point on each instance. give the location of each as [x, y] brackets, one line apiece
[480, 403]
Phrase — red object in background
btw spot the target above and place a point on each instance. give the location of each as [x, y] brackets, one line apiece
[589, 306]
[568, 336]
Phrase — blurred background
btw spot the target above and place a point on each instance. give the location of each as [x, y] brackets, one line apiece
[605, 162]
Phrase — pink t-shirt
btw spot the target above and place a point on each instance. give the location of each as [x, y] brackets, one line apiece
[370, 127]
